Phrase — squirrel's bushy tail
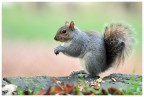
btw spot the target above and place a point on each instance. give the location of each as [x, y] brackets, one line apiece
[118, 42]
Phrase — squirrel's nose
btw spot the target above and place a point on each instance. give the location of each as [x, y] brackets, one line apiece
[55, 38]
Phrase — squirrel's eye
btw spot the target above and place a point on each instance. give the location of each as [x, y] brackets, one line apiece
[63, 31]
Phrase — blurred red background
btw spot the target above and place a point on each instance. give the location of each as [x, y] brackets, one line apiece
[30, 59]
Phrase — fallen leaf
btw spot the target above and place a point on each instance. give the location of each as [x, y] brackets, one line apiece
[41, 92]
[58, 90]
[115, 91]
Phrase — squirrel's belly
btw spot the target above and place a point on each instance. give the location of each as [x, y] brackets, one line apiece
[82, 61]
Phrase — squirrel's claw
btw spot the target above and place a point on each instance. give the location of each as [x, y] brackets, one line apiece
[56, 53]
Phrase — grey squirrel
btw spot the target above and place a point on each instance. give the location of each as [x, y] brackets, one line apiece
[96, 52]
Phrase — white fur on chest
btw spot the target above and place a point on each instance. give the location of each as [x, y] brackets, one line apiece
[66, 44]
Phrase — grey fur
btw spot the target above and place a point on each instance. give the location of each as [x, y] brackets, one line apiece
[89, 48]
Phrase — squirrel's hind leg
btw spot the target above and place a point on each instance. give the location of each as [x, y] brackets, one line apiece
[83, 74]
[93, 64]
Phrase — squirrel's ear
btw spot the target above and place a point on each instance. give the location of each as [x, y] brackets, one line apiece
[72, 25]
[66, 23]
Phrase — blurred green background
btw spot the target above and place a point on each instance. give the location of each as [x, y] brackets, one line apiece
[28, 30]
[40, 20]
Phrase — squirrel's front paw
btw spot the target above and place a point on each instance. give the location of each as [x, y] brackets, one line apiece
[56, 51]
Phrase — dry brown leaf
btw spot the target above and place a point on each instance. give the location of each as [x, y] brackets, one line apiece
[41, 92]
[114, 91]
[58, 90]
